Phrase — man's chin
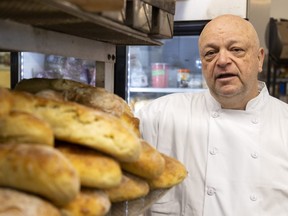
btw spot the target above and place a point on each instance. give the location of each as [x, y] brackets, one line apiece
[228, 92]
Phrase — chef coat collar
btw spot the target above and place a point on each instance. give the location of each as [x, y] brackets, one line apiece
[254, 104]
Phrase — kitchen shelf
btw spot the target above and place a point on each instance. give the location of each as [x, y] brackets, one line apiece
[165, 90]
[62, 17]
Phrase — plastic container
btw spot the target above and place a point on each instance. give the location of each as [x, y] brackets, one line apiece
[183, 78]
[159, 75]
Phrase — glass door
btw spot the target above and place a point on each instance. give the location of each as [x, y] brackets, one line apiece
[154, 71]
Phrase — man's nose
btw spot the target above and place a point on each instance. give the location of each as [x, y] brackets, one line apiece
[223, 58]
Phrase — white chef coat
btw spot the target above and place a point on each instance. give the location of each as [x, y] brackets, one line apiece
[237, 160]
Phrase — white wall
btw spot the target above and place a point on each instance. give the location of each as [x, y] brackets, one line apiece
[279, 9]
[260, 12]
[208, 9]
[259, 15]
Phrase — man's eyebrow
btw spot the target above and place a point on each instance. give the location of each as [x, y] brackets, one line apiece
[213, 44]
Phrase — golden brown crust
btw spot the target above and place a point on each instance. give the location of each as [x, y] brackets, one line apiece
[95, 169]
[18, 203]
[88, 95]
[38, 169]
[94, 97]
[5, 101]
[21, 127]
[89, 202]
[79, 124]
[150, 164]
[50, 94]
[131, 187]
[174, 173]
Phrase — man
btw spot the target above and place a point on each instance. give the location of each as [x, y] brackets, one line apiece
[232, 138]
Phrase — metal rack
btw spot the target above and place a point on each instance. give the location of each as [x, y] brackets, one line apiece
[61, 16]
[60, 28]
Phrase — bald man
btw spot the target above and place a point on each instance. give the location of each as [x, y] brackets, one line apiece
[232, 138]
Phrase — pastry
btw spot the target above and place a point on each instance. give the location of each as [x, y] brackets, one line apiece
[95, 169]
[19, 203]
[38, 169]
[79, 124]
[21, 127]
[150, 164]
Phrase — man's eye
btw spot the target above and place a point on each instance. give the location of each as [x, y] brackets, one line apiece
[237, 50]
[210, 53]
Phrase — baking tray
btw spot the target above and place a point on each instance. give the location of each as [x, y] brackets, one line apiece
[138, 206]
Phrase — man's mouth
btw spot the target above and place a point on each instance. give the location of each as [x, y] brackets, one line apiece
[225, 75]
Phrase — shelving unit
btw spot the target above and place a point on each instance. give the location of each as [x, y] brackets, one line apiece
[277, 73]
[164, 90]
[277, 80]
[60, 28]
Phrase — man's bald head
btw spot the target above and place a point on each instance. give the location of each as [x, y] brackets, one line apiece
[233, 23]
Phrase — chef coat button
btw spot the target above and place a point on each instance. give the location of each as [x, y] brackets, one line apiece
[254, 155]
[255, 121]
[215, 114]
[213, 151]
[253, 197]
[211, 191]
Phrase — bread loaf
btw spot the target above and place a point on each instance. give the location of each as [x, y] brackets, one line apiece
[174, 173]
[40, 170]
[78, 92]
[89, 202]
[131, 187]
[95, 169]
[19, 203]
[5, 101]
[21, 127]
[95, 97]
[150, 164]
[75, 123]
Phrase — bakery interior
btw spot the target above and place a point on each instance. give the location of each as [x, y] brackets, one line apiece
[63, 50]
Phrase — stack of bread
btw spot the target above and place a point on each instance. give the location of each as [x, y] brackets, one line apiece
[71, 149]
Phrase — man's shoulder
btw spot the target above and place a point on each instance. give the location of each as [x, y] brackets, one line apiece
[183, 96]
[175, 100]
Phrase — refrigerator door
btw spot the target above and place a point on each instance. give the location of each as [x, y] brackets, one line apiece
[154, 71]
[38, 65]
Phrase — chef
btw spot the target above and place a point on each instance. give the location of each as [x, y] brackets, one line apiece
[232, 138]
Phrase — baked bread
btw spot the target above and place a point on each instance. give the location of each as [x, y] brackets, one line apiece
[89, 202]
[78, 92]
[174, 173]
[130, 188]
[95, 169]
[95, 97]
[19, 203]
[79, 124]
[5, 101]
[21, 127]
[50, 94]
[39, 169]
[150, 164]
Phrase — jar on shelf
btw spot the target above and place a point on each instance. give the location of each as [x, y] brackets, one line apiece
[160, 75]
[183, 77]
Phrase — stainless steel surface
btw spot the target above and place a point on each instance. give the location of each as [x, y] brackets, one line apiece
[139, 15]
[164, 24]
[138, 206]
[61, 16]
[165, 90]
[166, 5]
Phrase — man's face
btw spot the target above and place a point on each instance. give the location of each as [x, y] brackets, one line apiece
[231, 59]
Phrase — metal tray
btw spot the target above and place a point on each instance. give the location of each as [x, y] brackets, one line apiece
[138, 206]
